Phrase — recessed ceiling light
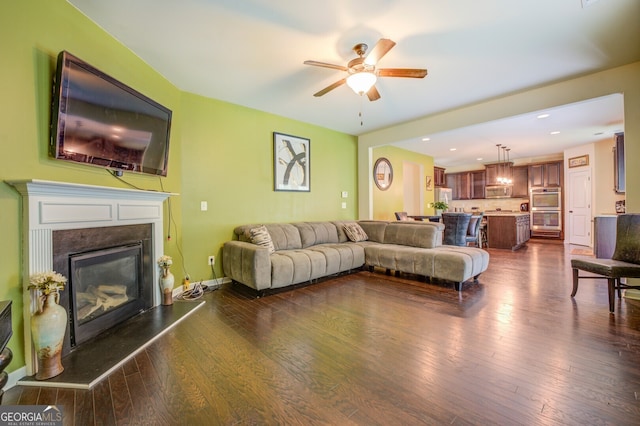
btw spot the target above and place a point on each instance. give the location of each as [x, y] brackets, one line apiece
[479, 159]
[556, 132]
[452, 149]
[426, 139]
[543, 116]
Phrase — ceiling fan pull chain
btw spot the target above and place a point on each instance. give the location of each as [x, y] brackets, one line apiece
[361, 108]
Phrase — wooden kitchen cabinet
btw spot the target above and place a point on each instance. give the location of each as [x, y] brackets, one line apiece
[491, 174]
[523, 227]
[520, 176]
[477, 184]
[438, 177]
[450, 180]
[460, 184]
[545, 175]
[508, 231]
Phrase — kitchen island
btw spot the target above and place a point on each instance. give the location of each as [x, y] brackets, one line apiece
[507, 230]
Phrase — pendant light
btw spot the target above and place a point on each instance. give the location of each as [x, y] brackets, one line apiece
[499, 177]
[503, 165]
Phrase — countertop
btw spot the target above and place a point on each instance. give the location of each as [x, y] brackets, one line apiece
[514, 214]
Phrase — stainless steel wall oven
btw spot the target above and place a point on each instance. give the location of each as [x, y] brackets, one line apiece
[546, 212]
[546, 199]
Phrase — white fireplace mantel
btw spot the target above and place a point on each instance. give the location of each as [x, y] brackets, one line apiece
[49, 206]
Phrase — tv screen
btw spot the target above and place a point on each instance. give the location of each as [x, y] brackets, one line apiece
[100, 121]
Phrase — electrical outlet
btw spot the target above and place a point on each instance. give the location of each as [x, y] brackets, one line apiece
[212, 260]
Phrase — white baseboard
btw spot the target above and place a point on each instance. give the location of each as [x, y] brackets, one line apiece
[632, 294]
[177, 292]
[14, 376]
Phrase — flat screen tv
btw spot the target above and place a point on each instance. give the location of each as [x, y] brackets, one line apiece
[100, 121]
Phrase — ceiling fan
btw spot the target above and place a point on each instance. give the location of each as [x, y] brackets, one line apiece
[362, 71]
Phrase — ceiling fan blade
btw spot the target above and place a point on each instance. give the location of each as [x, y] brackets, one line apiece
[325, 65]
[402, 72]
[330, 88]
[373, 94]
[379, 50]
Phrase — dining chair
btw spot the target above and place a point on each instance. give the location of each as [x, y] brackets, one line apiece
[456, 226]
[625, 262]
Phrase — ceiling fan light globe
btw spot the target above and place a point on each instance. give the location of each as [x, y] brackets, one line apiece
[361, 82]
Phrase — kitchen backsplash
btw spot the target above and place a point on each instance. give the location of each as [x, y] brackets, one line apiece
[488, 204]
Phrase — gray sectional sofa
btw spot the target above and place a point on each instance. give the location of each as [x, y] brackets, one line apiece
[272, 256]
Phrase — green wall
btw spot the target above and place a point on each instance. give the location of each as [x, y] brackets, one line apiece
[220, 153]
[228, 162]
[391, 200]
[33, 32]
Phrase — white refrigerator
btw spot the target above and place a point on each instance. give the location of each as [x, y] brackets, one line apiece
[443, 194]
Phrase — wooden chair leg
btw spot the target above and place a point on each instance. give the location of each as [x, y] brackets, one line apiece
[612, 290]
[618, 287]
[575, 282]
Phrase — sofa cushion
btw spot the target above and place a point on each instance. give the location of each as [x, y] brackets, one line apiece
[291, 267]
[414, 234]
[260, 236]
[313, 233]
[285, 236]
[408, 259]
[355, 232]
[374, 229]
[341, 257]
[459, 263]
[339, 224]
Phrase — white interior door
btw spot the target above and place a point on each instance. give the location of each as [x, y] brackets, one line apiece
[579, 207]
[411, 175]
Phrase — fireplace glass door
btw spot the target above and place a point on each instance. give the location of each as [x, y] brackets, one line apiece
[106, 288]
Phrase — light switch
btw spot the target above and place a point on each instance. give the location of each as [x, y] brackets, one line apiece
[344, 205]
[345, 194]
[204, 206]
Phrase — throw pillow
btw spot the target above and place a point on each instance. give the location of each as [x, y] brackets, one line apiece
[355, 232]
[261, 237]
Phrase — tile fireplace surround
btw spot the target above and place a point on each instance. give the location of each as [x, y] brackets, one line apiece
[48, 206]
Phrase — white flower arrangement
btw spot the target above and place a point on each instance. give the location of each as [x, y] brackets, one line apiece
[47, 282]
[165, 261]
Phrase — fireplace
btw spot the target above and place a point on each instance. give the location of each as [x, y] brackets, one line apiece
[106, 288]
[57, 214]
[110, 274]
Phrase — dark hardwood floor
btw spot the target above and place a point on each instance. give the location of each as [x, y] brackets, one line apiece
[370, 349]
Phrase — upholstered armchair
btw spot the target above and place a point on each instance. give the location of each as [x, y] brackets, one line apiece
[625, 262]
[456, 226]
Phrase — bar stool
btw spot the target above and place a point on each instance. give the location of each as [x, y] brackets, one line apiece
[484, 242]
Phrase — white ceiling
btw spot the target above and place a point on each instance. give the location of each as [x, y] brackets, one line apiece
[251, 53]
